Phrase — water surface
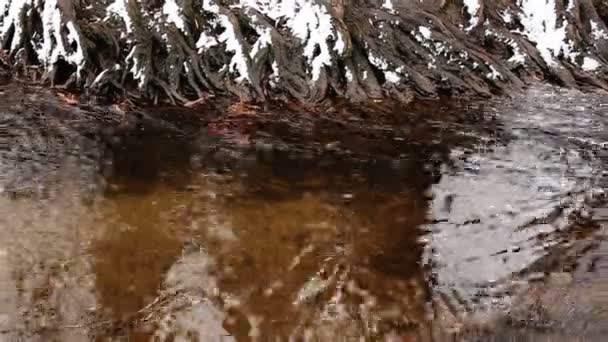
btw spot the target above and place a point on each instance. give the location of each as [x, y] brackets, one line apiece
[406, 227]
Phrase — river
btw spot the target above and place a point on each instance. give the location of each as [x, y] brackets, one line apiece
[438, 221]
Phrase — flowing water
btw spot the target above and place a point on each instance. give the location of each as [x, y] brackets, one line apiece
[435, 222]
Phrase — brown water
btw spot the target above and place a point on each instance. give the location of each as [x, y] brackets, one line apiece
[425, 225]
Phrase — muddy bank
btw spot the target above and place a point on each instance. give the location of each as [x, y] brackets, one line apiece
[306, 51]
[437, 221]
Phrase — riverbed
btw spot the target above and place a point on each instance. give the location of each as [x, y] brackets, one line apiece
[437, 221]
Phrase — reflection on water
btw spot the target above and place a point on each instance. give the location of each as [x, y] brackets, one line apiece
[255, 265]
[132, 253]
[161, 246]
[273, 265]
[143, 234]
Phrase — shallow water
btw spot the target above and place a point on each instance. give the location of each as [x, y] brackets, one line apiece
[433, 218]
